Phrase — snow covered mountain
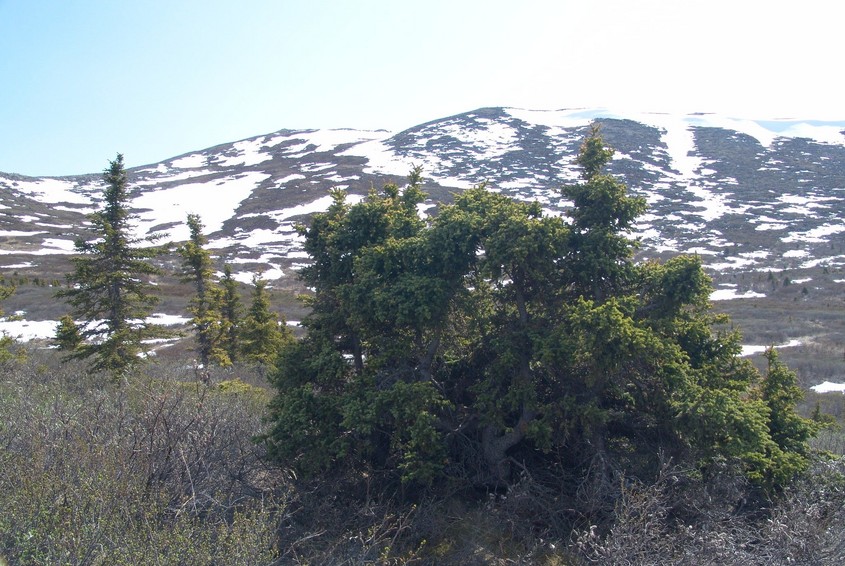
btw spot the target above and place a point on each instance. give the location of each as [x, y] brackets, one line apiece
[746, 195]
[739, 192]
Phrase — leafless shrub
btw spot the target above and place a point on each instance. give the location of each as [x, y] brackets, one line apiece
[803, 525]
[144, 472]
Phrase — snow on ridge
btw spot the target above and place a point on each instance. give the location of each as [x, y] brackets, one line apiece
[289, 178]
[675, 128]
[192, 161]
[214, 201]
[319, 205]
[714, 205]
[733, 263]
[382, 159]
[49, 246]
[50, 191]
[247, 152]
[568, 118]
[27, 330]
[59, 246]
[822, 132]
[324, 139]
[181, 176]
[766, 131]
[490, 138]
[23, 265]
[160, 168]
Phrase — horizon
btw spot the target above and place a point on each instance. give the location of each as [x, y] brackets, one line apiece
[154, 80]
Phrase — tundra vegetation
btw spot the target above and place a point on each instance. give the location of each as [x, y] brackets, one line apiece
[491, 385]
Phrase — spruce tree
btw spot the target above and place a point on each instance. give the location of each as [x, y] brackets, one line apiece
[67, 336]
[205, 307]
[109, 288]
[262, 335]
[5, 341]
[789, 430]
[230, 313]
[603, 214]
[493, 334]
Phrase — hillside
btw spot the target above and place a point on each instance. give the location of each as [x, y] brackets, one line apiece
[760, 201]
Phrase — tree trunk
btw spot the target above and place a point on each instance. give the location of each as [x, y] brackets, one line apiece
[495, 448]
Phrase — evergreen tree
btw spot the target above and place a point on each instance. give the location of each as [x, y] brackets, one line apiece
[110, 286]
[789, 431]
[230, 314]
[68, 337]
[261, 334]
[208, 322]
[6, 341]
[602, 215]
[492, 334]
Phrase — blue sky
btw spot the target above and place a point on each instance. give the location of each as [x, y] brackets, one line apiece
[81, 80]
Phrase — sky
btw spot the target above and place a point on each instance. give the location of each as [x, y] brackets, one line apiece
[83, 80]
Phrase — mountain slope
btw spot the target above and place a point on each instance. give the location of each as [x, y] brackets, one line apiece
[738, 192]
[747, 196]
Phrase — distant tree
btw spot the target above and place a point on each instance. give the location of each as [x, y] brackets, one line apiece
[205, 307]
[6, 341]
[230, 314]
[600, 251]
[67, 337]
[823, 419]
[261, 334]
[110, 288]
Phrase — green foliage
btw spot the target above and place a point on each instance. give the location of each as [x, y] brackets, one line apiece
[602, 214]
[6, 342]
[210, 326]
[230, 315]
[261, 333]
[788, 430]
[493, 334]
[110, 288]
[68, 337]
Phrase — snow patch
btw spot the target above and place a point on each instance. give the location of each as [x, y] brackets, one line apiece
[321, 204]
[23, 265]
[27, 330]
[289, 178]
[829, 387]
[19, 233]
[796, 253]
[181, 176]
[216, 202]
[815, 235]
[749, 350]
[51, 191]
[246, 152]
[731, 294]
[190, 162]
